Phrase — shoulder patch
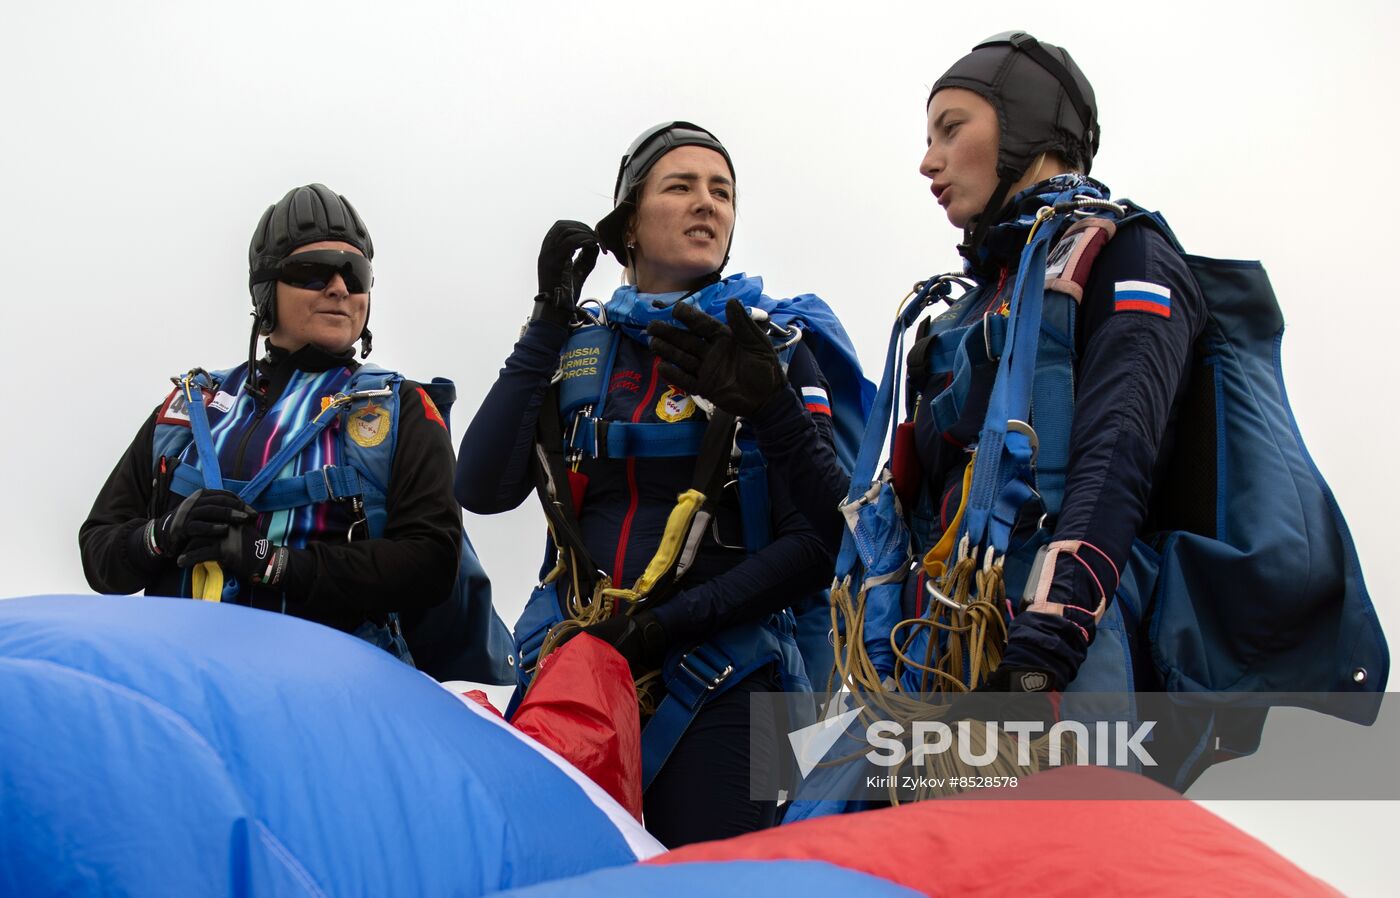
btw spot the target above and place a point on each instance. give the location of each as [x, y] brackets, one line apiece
[1069, 263]
[816, 401]
[430, 409]
[369, 426]
[1142, 296]
[176, 409]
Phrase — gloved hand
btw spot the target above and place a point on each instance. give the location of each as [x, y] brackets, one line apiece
[1010, 694]
[638, 637]
[561, 275]
[243, 552]
[1005, 679]
[204, 514]
[733, 366]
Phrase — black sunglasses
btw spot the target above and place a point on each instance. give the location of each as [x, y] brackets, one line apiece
[313, 270]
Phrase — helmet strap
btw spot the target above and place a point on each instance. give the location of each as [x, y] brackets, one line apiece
[366, 343]
[253, 387]
[976, 231]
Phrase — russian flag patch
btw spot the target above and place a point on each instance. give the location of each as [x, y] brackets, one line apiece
[816, 400]
[1142, 296]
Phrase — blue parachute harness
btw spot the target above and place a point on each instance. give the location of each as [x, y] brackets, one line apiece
[461, 638]
[1266, 598]
[575, 593]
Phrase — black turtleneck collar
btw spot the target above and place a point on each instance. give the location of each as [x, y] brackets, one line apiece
[277, 365]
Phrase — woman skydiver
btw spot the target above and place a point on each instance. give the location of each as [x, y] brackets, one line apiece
[309, 432]
[1012, 130]
[694, 592]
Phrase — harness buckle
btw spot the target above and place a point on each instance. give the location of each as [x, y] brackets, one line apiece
[326, 479]
[987, 337]
[357, 506]
[709, 684]
[1025, 430]
[714, 519]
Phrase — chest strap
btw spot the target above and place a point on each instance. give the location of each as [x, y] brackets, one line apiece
[327, 484]
[617, 439]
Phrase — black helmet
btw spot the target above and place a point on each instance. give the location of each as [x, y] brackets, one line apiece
[653, 143]
[1043, 102]
[305, 215]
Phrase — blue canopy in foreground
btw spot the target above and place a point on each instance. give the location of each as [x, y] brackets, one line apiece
[172, 747]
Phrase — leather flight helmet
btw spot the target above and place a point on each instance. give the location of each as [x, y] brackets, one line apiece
[1043, 103]
[637, 162]
[305, 215]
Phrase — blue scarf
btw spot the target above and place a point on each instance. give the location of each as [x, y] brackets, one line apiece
[1004, 241]
[851, 394]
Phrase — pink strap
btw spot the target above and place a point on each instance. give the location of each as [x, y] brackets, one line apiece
[1040, 600]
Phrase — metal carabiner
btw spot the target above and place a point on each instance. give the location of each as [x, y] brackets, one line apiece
[790, 335]
[1085, 206]
[938, 596]
[357, 509]
[600, 318]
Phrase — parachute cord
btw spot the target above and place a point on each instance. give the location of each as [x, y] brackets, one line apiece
[978, 626]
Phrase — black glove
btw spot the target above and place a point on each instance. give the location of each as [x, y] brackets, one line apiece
[243, 552]
[1009, 694]
[735, 367]
[1005, 679]
[561, 274]
[639, 638]
[204, 514]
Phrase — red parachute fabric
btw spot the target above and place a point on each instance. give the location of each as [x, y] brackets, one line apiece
[1145, 842]
[583, 705]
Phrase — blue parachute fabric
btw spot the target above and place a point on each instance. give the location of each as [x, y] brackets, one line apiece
[720, 879]
[170, 747]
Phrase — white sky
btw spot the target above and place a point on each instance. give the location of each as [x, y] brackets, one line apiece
[142, 140]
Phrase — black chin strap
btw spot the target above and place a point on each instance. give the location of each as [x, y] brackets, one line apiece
[253, 358]
[976, 231]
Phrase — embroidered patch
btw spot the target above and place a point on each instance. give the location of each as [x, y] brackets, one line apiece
[369, 426]
[1142, 296]
[1068, 266]
[674, 406]
[816, 400]
[430, 409]
[630, 381]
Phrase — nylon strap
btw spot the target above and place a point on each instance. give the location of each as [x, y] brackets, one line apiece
[1002, 479]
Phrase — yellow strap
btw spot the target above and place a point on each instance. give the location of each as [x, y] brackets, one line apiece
[936, 561]
[207, 581]
[672, 541]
